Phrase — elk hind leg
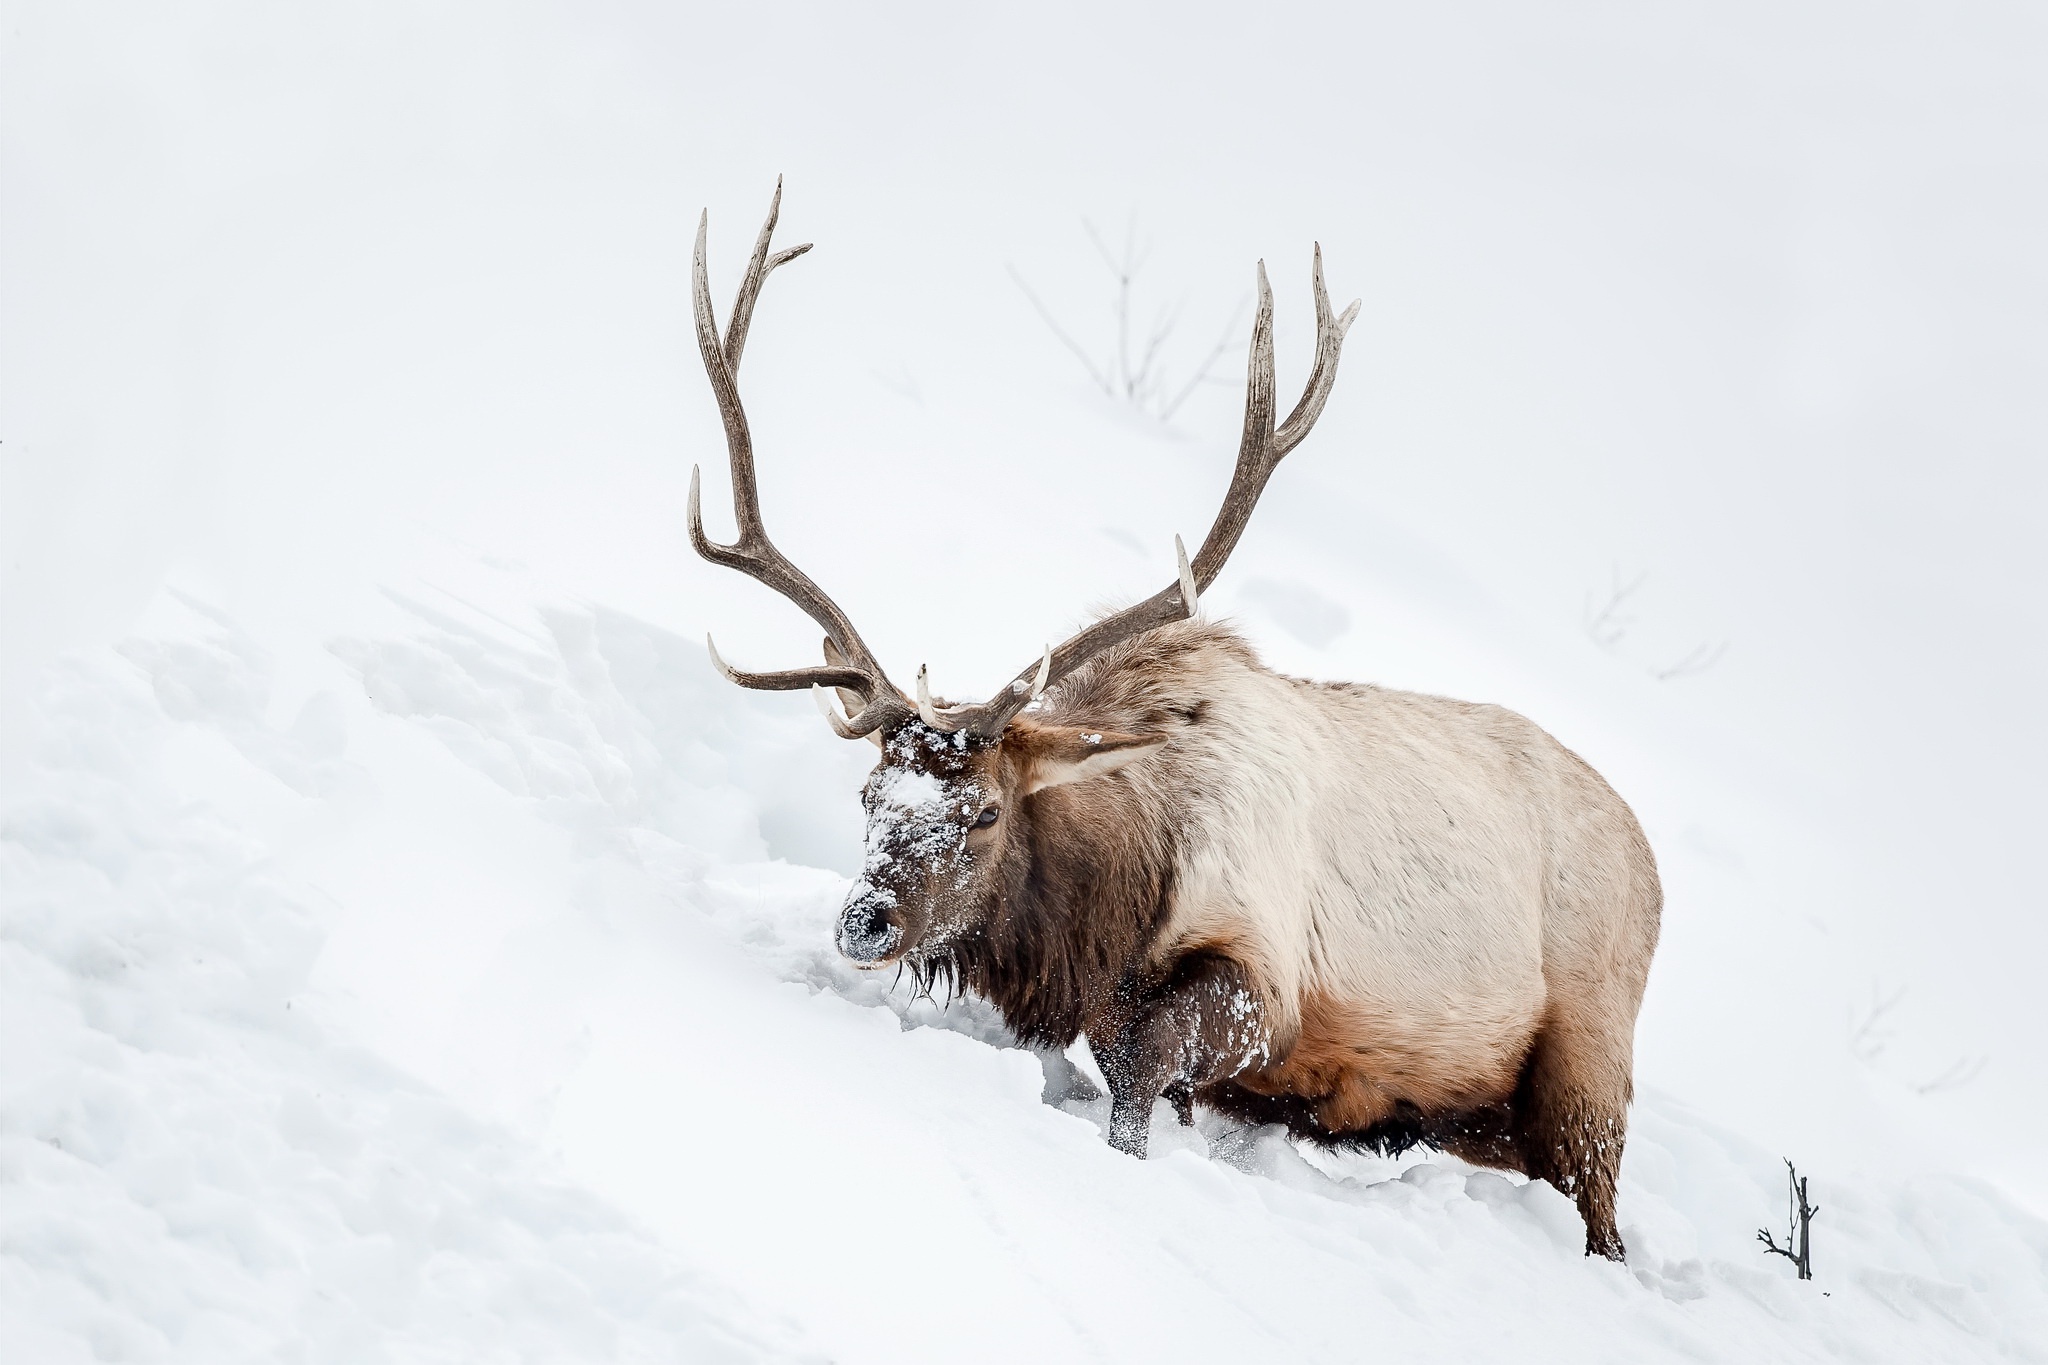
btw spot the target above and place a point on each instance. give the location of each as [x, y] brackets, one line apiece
[1207, 1024]
[1571, 1118]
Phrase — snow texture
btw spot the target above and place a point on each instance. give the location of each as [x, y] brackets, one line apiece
[410, 948]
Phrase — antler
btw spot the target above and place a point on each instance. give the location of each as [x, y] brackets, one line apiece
[849, 664]
[1258, 454]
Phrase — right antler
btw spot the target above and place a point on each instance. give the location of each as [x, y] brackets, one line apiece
[1258, 454]
[850, 664]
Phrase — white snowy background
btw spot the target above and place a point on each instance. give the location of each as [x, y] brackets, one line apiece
[410, 950]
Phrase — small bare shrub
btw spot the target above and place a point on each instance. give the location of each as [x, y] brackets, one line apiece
[1798, 1248]
[1134, 366]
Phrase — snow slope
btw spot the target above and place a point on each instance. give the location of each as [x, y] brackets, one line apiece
[412, 950]
[593, 1085]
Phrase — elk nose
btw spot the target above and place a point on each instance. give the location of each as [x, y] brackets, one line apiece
[868, 926]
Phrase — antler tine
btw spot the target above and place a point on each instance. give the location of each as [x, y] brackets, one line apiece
[750, 283]
[739, 441]
[1330, 333]
[1190, 595]
[927, 711]
[753, 553]
[1259, 452]
[830, 711]
[871, 718]
[789, 679]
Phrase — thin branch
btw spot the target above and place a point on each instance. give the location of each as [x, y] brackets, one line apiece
[1123, 333]
[1607, 626]
[1870, 1037]
[1045, 314]
[1965, 1070]
[1132, 367]
[1771, 1245]
[1117, 267]
[1161, 330]
[1124, 271]
[1702, 658]
[1209, 361]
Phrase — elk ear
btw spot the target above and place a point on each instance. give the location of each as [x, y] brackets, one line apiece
[1050, 755]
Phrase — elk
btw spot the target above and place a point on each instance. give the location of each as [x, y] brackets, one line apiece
[1376, 917]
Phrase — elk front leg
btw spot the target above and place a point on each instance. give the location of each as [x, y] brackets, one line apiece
[1209, 1023]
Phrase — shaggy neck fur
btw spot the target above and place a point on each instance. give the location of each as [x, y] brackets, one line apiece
[1088, 881]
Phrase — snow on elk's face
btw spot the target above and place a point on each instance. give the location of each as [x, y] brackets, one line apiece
[934, 805]
[944, 813]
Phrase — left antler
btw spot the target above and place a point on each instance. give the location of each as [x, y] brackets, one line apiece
[850, 664]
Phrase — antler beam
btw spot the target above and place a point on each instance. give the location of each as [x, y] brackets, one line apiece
[754, 554]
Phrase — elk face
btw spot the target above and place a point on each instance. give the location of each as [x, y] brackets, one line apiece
[933, 804]
[945, 813]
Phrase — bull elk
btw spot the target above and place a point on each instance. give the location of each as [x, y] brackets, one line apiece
[1375, 917]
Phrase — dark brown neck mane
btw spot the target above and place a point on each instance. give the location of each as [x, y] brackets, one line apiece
[1073, 918]
[1082, 894]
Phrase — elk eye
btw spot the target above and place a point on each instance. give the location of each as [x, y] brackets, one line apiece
[986, 818]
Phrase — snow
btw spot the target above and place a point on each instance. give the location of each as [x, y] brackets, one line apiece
[908, 791]
[913, 818]
[193, 1165]
[411, 949]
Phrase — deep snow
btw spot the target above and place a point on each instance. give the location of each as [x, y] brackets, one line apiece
[596, 1086]
[409, 947]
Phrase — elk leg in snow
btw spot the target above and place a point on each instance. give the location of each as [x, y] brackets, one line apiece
[1181, 1095]
[1571, 1119]
[1208, 1023]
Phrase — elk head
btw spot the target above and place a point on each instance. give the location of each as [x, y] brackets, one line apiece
[949, 801]
[948, 824]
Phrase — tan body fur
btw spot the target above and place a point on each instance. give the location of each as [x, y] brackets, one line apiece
[1419, 885]
[1444, 911]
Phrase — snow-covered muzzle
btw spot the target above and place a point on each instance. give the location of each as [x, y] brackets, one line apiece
[917, 887]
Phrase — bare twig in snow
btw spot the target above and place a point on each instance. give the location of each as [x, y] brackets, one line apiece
[1045, 315]
[1870, 1036]
[1202, 374]
[1702, 658]
[1128, 368]
[1607, 626]
[1125, 268]
[1965, 1070]
[1798, 1248]
[1608, 622]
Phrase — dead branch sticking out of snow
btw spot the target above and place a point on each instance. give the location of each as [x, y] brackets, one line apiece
[1608, 622]
[1703, 657]
[1870, 1036]
[1129, 369]
[1607, 625]
[1959, 1074]
[1798, 1247]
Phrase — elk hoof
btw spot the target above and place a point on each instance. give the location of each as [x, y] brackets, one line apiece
[1608, 1245]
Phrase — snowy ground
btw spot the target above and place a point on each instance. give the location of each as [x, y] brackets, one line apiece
[410, 950]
